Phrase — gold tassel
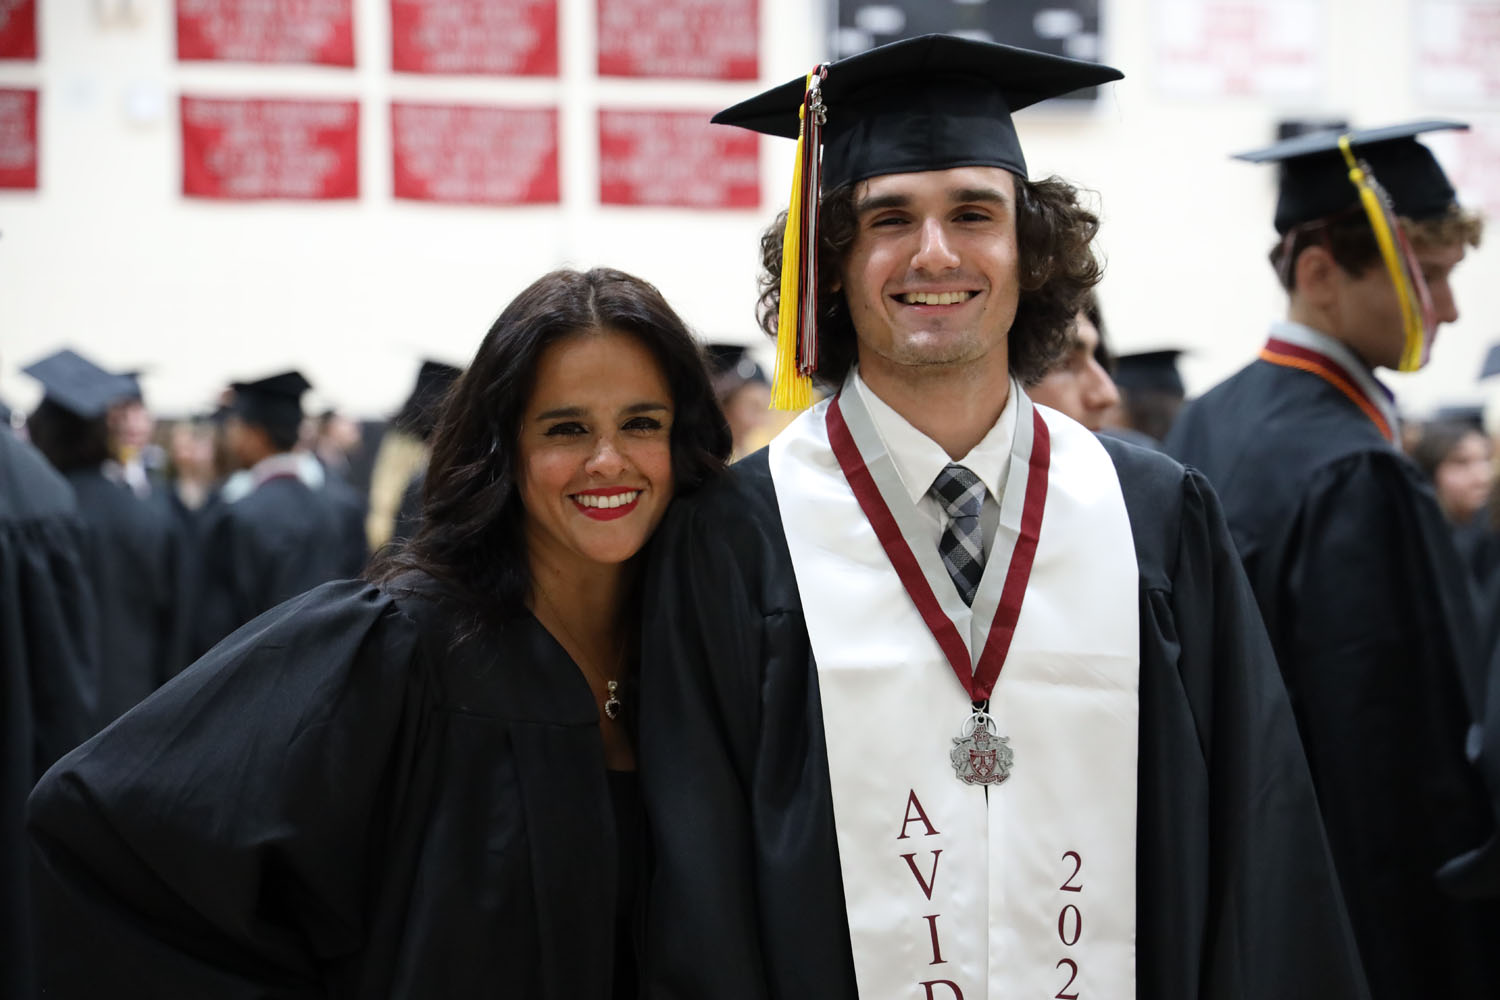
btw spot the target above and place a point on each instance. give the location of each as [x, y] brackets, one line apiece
[796, 330]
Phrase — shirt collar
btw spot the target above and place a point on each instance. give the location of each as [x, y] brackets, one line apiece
[1317, 340]
[297, 465]
[919, 459]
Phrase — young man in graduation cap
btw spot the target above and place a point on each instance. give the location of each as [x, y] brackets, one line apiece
[942, 696]
[1349, 556]
[274, 533]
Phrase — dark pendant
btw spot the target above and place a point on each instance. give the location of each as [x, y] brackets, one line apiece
[980, 755]
[612, 704]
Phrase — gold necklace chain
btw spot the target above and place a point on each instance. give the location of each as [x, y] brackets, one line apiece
[611, 702]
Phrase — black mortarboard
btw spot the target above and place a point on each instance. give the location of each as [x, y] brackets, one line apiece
[1149, 371]
[78, 385]
[1315, 178]
[933, 102]
[1491, 364]
[419, 413]
[1467, 414]
[925, 103]
[274, 402]
[134, 377]
[732, 359]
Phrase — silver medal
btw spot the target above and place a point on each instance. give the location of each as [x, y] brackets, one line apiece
[980, 755]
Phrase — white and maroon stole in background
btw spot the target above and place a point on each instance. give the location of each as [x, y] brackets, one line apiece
[956, 892]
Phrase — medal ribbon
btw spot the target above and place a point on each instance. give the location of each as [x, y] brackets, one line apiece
[977, 679]
[1289, 355]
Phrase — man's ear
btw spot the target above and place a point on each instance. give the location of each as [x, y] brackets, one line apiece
[1315, 273]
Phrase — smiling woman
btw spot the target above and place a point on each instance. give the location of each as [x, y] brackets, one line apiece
[420, 785]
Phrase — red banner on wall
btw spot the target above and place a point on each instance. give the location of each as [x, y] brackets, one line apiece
[676, 159]
[17, 29]
[475, 155]
[490, 37]
[712, 39]
[247, 149]
[18, 141]
[268, 31]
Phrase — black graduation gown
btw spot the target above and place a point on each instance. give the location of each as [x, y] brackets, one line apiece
[1237, 898]
[1369, 611]
[350, 510]
[133, 554]
[48, 680]
[279, 540]
[336, 802]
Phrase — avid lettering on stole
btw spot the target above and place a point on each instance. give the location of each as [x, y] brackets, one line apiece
[931, 856]
[920, 850]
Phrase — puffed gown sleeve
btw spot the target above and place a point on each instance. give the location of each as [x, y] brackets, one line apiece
[216, 841]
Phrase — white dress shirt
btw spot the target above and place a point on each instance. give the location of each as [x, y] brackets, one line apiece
[918, 460]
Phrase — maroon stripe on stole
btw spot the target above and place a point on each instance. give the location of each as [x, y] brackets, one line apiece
[980, 682]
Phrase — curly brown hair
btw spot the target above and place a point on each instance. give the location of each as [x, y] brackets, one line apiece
[1350, 240]
[1054, 233]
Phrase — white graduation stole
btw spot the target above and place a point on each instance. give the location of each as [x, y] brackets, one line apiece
[954, 891]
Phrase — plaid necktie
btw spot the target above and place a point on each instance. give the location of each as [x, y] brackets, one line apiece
[962, 545]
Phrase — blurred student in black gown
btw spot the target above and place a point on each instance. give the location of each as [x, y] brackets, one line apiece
[273, 533]
[48, 670]
[744, 395]
[395, 501]
[1352, 562]
[131, 547]
[421, 786]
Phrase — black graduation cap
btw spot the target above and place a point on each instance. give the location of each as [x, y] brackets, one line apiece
[134, 376]
[1149, 371]
[275, 401]
[1315, 178]
[1467, 414]
[419, 413]
[732, 359]
[1491, 364]
[933, 102]
[78, 385]
[925, 103]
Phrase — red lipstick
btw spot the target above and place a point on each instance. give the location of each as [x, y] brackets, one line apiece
[606, 513]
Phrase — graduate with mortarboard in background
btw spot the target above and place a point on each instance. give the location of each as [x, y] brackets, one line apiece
[1151, 394]
[944, 696]
[744, 394]
[132, 550]
[395, 506]
[272, 534]
[1352, 562]
[48, 670]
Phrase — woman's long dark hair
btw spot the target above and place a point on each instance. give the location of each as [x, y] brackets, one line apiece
[472, 540]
